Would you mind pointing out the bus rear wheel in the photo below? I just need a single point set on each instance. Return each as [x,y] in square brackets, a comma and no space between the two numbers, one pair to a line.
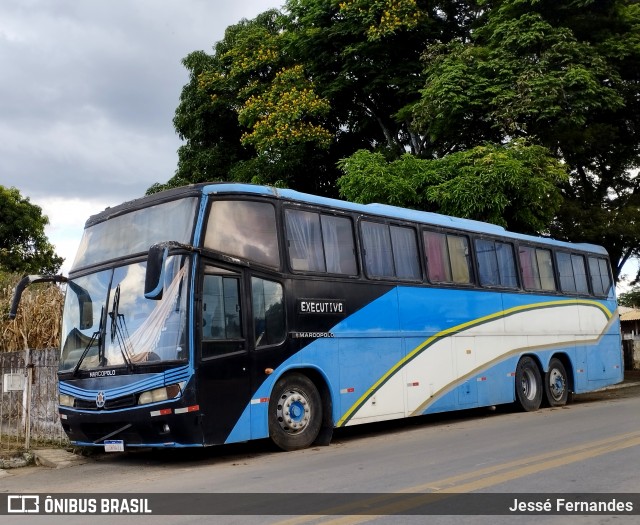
[295,412]
[556,384]
[528,384]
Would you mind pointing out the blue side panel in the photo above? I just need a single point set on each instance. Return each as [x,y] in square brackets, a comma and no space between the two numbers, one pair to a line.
[496,385]
[374,328]
[605,363]
[321,355]
[364,360]
[242,431]
[372,345]
[579,362]
[379,318]
[425,311]
[493,386]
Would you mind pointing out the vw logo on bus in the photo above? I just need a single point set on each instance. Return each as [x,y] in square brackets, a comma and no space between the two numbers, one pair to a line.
[100,399]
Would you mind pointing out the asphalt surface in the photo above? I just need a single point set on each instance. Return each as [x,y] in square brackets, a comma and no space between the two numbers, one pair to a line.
[60,458]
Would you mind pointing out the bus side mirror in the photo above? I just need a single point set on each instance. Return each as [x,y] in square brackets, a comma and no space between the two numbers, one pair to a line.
[86,307]
[85,304]
[154,278]
[17,294]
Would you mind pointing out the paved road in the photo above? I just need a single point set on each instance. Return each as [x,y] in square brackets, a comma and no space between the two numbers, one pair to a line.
[592,445]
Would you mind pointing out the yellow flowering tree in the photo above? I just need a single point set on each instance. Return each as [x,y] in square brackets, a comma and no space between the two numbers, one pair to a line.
[383,17]
[288,112]
[286,95]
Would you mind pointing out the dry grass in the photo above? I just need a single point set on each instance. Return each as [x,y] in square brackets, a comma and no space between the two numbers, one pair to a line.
[38,322]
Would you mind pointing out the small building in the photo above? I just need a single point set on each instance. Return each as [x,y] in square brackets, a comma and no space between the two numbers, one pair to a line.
[630,330]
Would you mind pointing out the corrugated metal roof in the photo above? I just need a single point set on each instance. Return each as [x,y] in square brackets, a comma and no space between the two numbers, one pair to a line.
[631,315]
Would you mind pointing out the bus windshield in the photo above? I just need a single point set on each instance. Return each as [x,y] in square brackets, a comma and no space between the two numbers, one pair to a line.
[124,329]
[135,231]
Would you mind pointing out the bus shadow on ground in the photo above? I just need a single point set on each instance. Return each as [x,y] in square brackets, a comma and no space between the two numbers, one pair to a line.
[238,453]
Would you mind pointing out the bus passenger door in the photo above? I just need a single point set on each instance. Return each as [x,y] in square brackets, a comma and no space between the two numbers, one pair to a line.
[223,375]
[268,335]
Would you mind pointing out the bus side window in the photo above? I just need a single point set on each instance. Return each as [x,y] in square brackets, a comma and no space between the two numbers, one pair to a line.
[537,269]
[573,273]
[320,243]
[580,271]
[447,258]
[378,257]
[496,263]
[567,280]
[246,229]
[405,253]
[268,312]
[221,319]
[600,279]
[304,239]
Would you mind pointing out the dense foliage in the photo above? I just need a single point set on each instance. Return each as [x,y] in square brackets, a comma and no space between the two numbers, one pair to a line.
[520,112]
[24,247]
[563,75]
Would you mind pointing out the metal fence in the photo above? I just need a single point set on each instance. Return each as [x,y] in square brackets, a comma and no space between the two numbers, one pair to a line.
[29,404]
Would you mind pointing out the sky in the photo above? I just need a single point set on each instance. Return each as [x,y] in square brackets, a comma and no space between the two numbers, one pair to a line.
[88,90]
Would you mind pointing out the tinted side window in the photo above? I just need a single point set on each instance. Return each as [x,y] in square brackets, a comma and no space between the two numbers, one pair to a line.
[378,257]
[580,273]
[339,248]
[496,263]
[390,251]
[447,258]
[304,239]
[245,229]
[405,253]
[268,312]
[600,276]
[573,274]
[320,243]
[565,270]
[537,268]
[222,331]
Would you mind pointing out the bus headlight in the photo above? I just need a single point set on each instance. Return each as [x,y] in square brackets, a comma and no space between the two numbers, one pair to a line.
[66,400]
[161,394]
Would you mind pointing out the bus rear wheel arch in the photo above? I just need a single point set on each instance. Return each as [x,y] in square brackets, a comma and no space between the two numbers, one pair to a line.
[556,384]
[295,412]
[529,385]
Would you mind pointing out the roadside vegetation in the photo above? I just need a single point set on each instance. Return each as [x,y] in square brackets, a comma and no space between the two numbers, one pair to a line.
[38,322]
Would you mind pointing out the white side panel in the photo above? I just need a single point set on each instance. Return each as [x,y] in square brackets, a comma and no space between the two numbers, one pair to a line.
[479,347]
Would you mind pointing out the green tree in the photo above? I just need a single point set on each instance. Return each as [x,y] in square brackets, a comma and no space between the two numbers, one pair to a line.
[560,74]
[286,95]
[514,186]
[235,112]
[24,247]
[630,298]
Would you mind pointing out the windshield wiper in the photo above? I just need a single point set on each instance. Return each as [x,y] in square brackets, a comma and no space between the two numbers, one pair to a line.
[119,333]
[96,335]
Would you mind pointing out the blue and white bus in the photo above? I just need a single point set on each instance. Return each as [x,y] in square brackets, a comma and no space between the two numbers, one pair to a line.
[221,313]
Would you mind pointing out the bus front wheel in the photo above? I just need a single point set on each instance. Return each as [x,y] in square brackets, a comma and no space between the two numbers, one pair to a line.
[528,384]
[556,385]
[295,412]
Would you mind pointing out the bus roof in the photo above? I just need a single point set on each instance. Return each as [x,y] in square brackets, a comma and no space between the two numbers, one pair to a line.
[380,210]
[395,212]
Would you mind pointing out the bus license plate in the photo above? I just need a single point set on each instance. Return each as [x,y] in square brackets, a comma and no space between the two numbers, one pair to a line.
[114,445]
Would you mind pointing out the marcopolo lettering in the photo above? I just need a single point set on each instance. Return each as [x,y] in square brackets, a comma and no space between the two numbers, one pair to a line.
[102,373]
[321,306]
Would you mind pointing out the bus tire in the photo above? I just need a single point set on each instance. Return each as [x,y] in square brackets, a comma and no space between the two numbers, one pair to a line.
[556,384]
[295,412]
[529,387]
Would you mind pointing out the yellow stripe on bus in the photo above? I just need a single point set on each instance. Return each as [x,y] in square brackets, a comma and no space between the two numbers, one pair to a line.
[458,328]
